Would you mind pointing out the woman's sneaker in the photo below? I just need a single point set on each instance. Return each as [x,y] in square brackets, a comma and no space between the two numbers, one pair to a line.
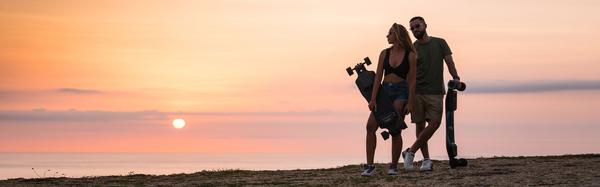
[393,170]
[368,170]
[426,165]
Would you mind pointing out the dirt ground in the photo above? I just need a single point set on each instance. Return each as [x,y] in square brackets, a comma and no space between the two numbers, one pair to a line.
[568,170]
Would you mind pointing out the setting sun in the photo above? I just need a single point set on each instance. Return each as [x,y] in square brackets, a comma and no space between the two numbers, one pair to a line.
[178,123]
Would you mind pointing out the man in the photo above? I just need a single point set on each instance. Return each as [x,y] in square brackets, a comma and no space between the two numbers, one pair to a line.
[428,107]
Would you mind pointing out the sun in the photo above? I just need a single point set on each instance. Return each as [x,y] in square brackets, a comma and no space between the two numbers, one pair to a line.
[178,123]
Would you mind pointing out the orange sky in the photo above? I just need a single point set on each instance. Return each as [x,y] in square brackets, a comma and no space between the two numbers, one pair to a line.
[258,59]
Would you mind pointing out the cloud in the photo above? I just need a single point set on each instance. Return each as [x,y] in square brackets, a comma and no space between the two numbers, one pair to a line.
[77,116]
[485,87]
[531,87]
[12,94]
[77,91]
[43,115]
[271,113]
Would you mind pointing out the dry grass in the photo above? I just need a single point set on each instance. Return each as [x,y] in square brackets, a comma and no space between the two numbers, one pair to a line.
[568,170]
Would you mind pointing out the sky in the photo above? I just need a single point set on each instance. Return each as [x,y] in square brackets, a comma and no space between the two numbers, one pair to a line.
[268,76]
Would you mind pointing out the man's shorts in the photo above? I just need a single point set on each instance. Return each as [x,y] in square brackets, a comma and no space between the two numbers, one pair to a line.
[427,108]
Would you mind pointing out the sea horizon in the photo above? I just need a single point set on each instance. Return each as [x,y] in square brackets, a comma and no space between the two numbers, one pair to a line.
[92,164]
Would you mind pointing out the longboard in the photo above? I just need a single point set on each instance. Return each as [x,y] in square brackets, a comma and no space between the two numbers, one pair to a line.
[451,100]
[385,113]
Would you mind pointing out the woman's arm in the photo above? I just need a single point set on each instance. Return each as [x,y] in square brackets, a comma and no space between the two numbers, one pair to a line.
[377,81]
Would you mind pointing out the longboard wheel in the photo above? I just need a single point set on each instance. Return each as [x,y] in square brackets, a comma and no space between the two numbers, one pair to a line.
[458,162]
[462,87]
[349,70]
[453,163]
[385,135]
[367,61]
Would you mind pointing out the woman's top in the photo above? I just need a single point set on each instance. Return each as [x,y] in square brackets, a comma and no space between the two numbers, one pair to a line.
[400,70]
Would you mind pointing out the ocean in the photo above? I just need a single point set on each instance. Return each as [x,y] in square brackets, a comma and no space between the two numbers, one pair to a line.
[35,165]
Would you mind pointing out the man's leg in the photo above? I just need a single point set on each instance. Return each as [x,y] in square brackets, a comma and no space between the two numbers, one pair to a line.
[422,139]
[424,136]
[433,115]
[426,164]
[424,148]
[432,109]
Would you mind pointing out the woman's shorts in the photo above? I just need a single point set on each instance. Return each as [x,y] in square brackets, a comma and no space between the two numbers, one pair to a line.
[396,91]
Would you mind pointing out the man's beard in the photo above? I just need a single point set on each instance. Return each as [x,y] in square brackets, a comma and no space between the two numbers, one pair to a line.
[420,35]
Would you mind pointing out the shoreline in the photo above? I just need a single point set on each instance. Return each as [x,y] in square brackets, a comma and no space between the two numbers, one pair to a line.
[582,169]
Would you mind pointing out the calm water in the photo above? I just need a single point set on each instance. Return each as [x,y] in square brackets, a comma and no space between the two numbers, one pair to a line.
[487,125]
[16,165]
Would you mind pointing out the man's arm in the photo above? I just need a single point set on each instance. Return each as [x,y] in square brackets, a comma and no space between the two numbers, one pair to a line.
[451,66]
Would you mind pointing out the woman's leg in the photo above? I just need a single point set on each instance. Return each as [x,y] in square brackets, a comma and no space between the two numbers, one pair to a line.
[397,140]
[371,138]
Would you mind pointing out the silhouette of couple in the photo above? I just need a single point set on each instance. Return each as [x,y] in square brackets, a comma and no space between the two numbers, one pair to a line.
[412,75]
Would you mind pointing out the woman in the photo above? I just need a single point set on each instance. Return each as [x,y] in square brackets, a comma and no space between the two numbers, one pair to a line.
[397,68]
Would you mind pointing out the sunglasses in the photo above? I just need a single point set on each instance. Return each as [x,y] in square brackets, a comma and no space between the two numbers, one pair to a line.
[415,27]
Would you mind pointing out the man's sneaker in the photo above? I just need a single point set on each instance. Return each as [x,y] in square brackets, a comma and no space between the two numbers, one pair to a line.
[408,160]
[368,170]
[393,170]
[426,165]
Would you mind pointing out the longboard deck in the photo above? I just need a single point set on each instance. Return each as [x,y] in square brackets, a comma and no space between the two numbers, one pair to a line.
[451,147]
[385,114]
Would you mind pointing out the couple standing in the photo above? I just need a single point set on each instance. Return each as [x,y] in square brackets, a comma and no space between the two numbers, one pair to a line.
[413,76]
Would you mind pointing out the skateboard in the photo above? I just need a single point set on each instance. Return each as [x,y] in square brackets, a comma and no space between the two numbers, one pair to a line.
[451,100]
[385,113]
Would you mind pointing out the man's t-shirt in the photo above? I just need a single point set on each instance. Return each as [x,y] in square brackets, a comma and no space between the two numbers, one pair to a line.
[430,66]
